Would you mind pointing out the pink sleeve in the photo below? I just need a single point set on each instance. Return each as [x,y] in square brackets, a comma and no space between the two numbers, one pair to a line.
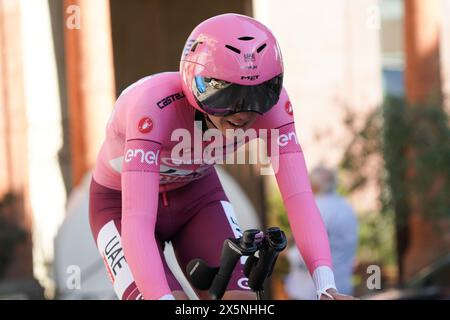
[289,166]
[145,128]
[140,183]
[304,217]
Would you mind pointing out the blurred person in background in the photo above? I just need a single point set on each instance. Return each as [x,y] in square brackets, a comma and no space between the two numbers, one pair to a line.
[342,228]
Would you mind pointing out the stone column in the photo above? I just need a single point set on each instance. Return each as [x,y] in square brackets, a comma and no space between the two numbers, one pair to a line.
[13,136]
[90,79]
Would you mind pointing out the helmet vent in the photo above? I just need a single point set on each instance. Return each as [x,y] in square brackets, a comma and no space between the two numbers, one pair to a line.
[246,38]
[195,45]
[233,49]
[261,48]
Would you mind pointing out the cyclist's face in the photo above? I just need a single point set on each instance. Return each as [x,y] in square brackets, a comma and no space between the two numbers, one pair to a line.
[241,120]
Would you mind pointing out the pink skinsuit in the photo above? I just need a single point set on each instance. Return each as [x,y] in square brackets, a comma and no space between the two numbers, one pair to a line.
[136,163]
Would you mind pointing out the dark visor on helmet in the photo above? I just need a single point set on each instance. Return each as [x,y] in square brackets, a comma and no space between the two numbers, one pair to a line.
[220,98]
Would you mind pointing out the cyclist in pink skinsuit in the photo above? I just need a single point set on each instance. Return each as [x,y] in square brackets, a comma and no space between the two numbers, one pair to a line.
[144,192]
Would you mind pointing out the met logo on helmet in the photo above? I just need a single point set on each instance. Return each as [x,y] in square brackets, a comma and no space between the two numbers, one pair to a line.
[149,157]
[251,78]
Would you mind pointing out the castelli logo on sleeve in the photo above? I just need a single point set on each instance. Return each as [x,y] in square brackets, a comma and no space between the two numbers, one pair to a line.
[288,108]
[170,99]
[145,125]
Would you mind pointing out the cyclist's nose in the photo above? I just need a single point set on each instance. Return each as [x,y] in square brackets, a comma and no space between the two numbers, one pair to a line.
[241,116]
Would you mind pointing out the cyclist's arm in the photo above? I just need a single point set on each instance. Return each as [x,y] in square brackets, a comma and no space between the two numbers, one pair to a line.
[140,189]
[306,223]
[290,170]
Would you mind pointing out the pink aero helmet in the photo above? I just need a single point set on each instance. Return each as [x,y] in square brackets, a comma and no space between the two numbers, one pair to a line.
[231,63]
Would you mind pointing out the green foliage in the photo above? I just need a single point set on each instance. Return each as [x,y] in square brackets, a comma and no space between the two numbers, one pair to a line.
[276,209]
[417,138]
[376,229]
[366,143]
[413,142]
[388,134]
[395,134]
[376,238]
[409,139]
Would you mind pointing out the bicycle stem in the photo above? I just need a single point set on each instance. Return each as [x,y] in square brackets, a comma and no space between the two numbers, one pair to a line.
[232,251]
[259,269]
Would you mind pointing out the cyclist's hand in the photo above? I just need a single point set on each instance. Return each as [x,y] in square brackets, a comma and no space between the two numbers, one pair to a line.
[336,296]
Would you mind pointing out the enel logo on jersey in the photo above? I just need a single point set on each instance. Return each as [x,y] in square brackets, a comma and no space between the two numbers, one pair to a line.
[283,139]
[149,157]
[141,155]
